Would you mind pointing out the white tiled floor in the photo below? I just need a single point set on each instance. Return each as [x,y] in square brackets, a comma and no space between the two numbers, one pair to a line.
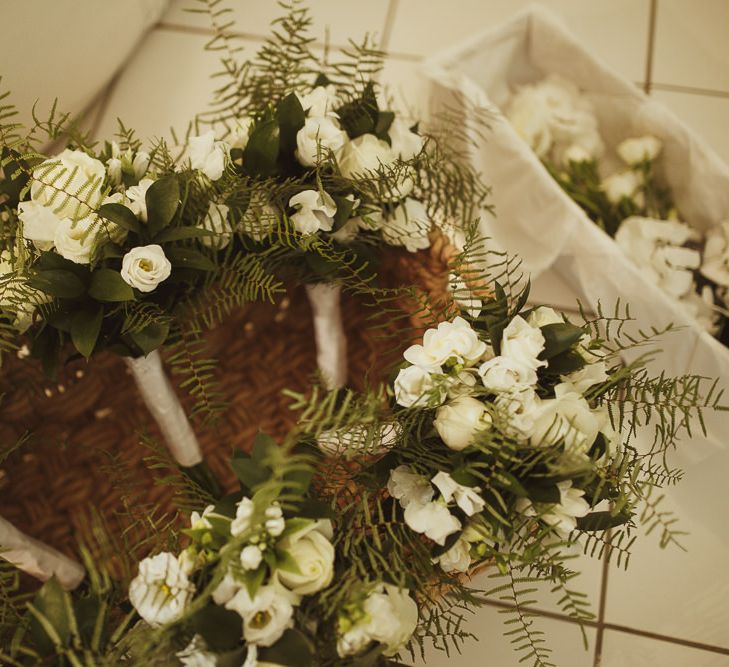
[682,596]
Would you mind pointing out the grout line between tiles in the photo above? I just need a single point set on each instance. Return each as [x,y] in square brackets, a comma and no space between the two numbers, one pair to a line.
[651,45]
[390,14]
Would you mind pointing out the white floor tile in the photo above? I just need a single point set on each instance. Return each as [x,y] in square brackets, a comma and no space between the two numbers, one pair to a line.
[495,650]
[615,30]
[707,115]
[676,593]
[164,85]
[344,20]
[691,47]
[624,650]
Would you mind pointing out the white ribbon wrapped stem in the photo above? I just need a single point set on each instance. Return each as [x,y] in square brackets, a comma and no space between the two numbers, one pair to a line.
[38,559]
[165,407]
[331,343]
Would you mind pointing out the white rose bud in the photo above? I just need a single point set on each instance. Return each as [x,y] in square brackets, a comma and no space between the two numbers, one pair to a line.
[414,387]
[250,557]
[161,591]
[145,267]
[140,164]
[502,374]
[459,421]
[208,155]
[321,101]
[452,341]
[523,343]
[636,150]
[313,553]
[318,136]
[137,198]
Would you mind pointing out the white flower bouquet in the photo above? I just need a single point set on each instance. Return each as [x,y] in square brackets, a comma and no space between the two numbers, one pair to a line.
[569,115]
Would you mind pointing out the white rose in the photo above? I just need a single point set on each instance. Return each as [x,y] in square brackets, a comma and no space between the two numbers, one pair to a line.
[519,410]
[432,519]
[466,497]
[76,240]
[250,557]
[502,374]
[318,136]
[137,198]
[530,120]
[313,553]
[459,421]
[216,221]
[715,266]
[452,341]
[408,225]
[409,487]
[145,267]
[161,591]
[314,211]
[542,316]
[561,516]
[364,154]
[265,617]
[208,155]
[140,164]
[624,185]
[567,418]
[415,388]
[39,224]
[523,343]
[321,101]
[635,150]
[588,376]
[70,184]
[405,143]
[389,616]
[195,654]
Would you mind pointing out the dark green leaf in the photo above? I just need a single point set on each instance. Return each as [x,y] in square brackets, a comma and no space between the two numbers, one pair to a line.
[122,216]
[261,152]
[50,602]
[49,260]
[85,328]
[559,338]
[47,347]
[181,233]
[89,611]
[188,258]
[359,117]
[505,480]
[219,627]
[565,363]
[108,285]
[544,493]
[151,337]
[382,127]
[162,198]
[344,210]
[249,472]
[291,119]
[59,283]
[292,650]
[598,521]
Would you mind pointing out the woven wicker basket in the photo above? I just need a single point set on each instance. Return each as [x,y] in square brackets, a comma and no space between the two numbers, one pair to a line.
[84,430]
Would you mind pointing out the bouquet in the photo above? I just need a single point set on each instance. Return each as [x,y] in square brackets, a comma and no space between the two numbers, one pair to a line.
[559,124]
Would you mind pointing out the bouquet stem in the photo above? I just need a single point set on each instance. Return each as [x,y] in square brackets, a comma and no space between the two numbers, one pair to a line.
[166,408]
[331,343]
[38,559]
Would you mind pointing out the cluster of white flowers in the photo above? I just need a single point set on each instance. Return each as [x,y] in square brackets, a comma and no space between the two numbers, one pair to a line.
[556,120]
[253,541]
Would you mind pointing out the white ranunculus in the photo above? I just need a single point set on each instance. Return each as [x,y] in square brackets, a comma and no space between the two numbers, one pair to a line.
[145,267]
[432,519]
[161,591]
[623,185]
[522,343]
[137,198]
[415,388]
[715,266]
[216,221]
[70,184]
[561,516]
[208,155]
[243,516]
[408,226]
[195,654]
[635,150]
[459,421]
[313,553]
[567,418]
[39,224]
[530,119]
[542,316]
[76,240]
[404,142]
[389,616]
[519,409]
[265,617]
[320,101]
[240,133]
[587,376]
[251,557]
[364,154]
[314,211]
[466,497]
[409,487]
[502,374]
[452,341]
[317,138]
